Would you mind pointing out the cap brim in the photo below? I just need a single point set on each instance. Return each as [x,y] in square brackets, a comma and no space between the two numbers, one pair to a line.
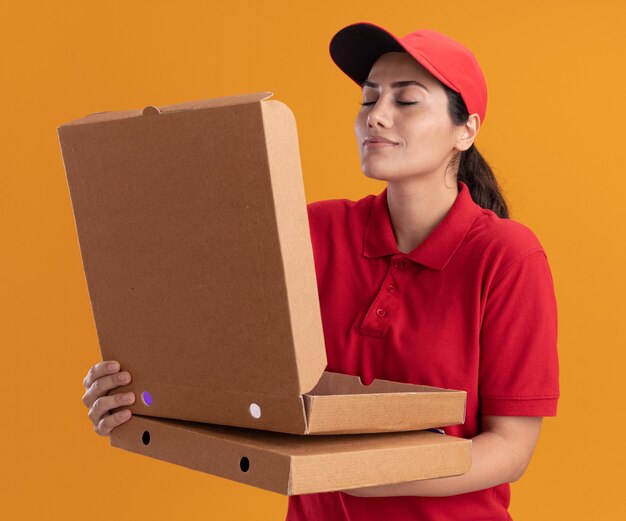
[356,48]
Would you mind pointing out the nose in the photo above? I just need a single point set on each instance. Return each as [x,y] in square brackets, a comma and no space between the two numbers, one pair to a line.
[378,115]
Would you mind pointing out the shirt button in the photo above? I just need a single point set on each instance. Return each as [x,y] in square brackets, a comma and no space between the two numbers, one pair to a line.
[380,312]
[391,288]
[399,264]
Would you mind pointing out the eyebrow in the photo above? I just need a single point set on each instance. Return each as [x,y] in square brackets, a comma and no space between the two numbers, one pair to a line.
[396,84]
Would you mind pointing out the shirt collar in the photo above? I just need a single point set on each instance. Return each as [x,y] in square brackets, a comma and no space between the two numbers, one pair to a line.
[438,247]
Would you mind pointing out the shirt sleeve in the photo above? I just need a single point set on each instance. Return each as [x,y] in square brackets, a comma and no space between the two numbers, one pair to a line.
[519,370]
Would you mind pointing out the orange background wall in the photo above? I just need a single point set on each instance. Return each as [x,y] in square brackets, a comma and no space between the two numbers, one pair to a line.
[553,134]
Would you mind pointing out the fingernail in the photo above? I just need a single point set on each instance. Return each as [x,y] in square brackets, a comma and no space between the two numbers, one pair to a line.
[125,413]
[123,377]
[128,397]
[113,366]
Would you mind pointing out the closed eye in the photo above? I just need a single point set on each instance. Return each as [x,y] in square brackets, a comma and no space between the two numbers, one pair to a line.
[398,102]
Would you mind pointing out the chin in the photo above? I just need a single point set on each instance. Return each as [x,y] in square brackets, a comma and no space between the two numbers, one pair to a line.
[379,173]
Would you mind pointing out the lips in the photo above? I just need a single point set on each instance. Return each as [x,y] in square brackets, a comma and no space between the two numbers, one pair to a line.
[378,139]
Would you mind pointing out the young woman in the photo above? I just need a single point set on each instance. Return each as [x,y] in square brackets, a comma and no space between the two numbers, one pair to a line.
[428,282]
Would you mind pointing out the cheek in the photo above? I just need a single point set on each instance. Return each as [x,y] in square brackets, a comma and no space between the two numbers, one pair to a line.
[427,137]
[359,124]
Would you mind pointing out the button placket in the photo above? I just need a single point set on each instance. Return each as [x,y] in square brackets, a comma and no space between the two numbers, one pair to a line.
[381,311]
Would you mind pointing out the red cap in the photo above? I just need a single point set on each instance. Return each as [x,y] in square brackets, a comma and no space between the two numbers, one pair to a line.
[356,47]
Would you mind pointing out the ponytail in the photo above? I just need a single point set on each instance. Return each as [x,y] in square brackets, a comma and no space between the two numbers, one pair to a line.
[473,169]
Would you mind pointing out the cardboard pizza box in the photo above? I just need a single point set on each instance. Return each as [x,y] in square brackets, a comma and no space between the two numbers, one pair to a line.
[291,464]
[194,236]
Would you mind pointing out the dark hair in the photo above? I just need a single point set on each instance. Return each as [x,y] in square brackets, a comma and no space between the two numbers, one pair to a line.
[473,169]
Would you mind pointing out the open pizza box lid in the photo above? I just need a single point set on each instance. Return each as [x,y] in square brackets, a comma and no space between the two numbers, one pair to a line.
[194,236]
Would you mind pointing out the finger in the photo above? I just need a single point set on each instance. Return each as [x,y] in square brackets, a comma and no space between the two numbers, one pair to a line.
[103,405]
[109,422]
[99,370]
[103,385]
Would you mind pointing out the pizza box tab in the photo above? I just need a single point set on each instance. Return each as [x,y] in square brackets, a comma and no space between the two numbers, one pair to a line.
[194,236]
[290,464]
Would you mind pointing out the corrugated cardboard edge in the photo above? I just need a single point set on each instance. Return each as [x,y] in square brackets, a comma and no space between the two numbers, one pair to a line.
[279,125]
[98,117]
[66,154]
[384,412]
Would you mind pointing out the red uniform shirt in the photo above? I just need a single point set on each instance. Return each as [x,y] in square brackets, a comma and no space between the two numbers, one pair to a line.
[471,308]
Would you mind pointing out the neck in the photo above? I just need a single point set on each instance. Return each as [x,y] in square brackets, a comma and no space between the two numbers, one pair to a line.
[417,207]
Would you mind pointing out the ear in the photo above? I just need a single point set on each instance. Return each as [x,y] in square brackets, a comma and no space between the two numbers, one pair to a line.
[466,134]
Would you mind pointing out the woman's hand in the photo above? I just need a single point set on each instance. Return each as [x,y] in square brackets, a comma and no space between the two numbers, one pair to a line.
[100,379]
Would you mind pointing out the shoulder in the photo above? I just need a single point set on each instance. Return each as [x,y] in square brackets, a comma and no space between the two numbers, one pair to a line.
[507,234]
[504,243]
[331,212]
